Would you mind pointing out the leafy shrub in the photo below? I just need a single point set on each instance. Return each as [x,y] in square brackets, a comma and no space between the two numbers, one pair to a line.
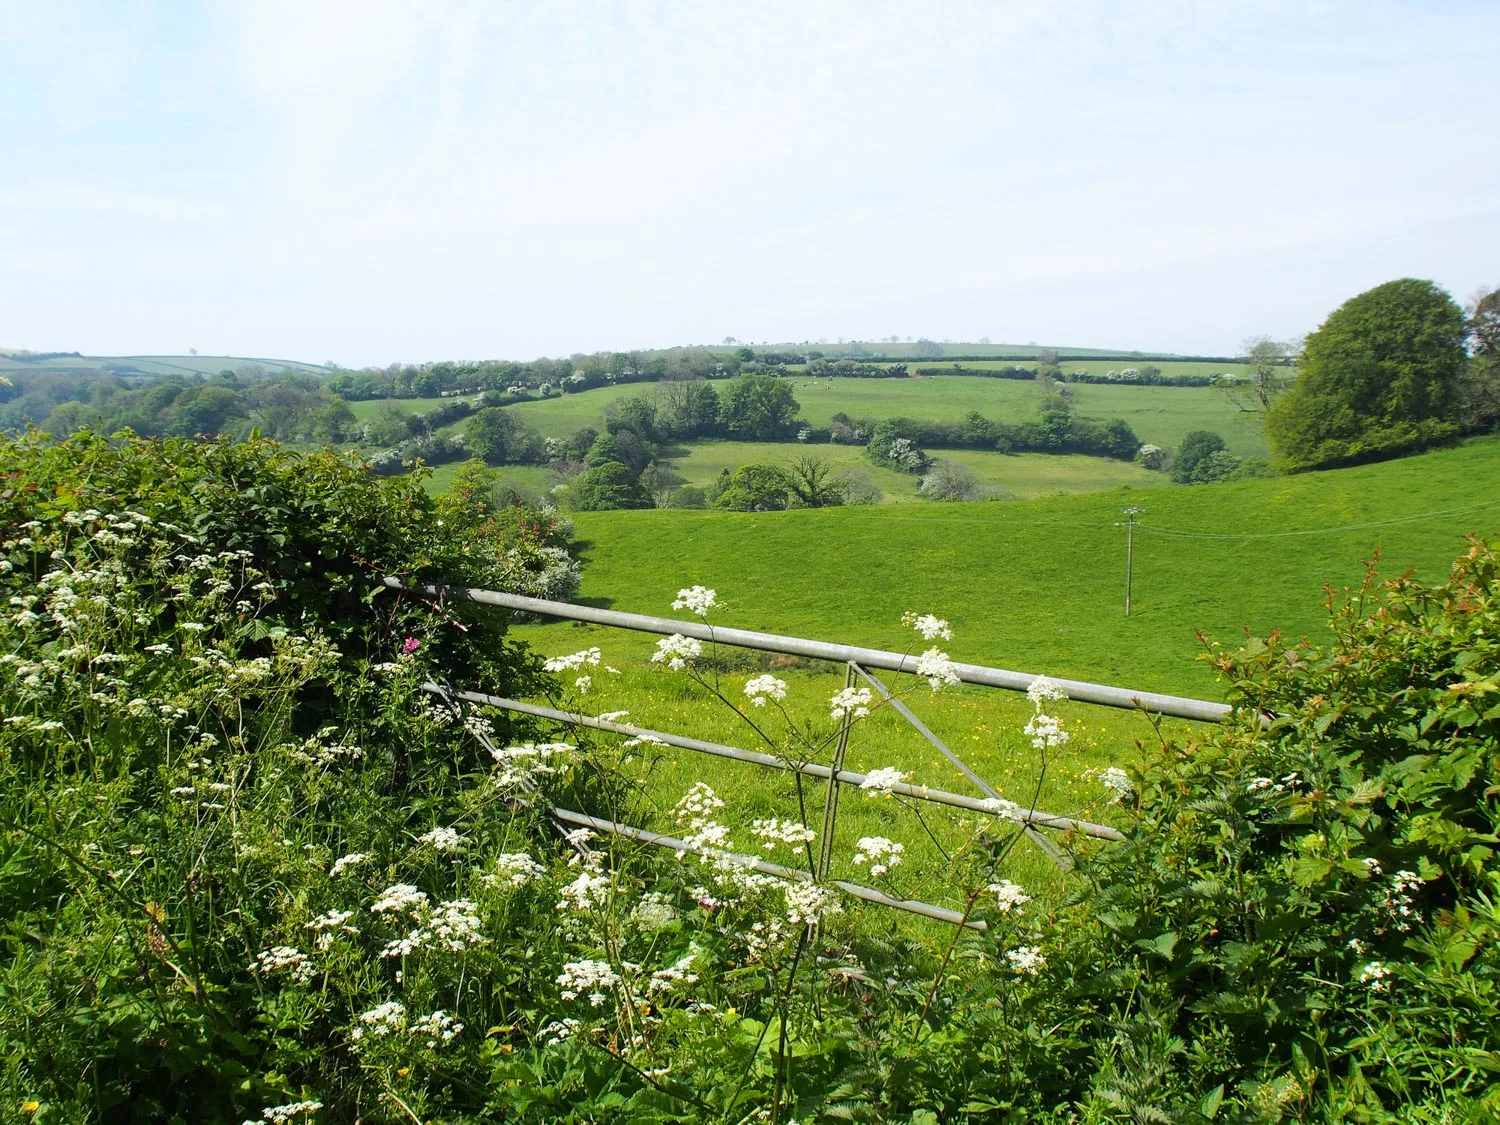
[948,480]
[607,487]
[756,488]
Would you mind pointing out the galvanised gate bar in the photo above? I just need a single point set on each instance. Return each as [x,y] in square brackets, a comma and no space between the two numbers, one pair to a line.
[858,663]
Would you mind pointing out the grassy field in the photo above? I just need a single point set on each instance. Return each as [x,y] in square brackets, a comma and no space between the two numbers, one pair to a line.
[1035,586]
[1161,415]
[1024,475]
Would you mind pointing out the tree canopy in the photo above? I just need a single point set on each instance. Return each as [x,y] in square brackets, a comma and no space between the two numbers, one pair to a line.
[1378,379]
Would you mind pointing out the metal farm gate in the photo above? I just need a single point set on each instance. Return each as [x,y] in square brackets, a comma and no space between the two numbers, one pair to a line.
[858,663]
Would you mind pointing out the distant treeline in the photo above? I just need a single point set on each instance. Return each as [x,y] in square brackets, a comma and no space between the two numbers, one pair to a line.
[1056,431]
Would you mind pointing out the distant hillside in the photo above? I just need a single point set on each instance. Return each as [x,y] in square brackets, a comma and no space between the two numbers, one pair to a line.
[72,363]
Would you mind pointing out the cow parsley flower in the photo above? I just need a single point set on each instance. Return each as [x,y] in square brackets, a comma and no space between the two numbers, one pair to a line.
[559,1031]
[761,688]
[1026,960]
[285,959]
[776,831]
[698,804]
[881,782]
[1005,810]
[939,670]
[1043,691]
[654,912]
[454,926]
[809,903]
[696,599]
[574,661]
[437,1028]
[346,863]
[1046,731]
[399,898]
[517,868]
[587,892]
[382,1020]
[854,702]
[1374,974]
[1008,896]
[442,839]
[677,651]
[596,978]
[880,853]
[286,1114]
[1113,778]
[932,628]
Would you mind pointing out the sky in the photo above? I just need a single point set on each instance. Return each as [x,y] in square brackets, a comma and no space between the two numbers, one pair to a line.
[377,181]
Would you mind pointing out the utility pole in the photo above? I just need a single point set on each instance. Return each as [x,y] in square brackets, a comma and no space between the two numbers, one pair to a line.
[1129,526]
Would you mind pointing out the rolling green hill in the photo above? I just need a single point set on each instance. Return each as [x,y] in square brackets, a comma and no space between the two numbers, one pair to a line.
[1038,585]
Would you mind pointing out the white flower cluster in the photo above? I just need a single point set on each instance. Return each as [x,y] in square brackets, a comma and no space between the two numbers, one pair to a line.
[1374,974]
[695,812]
[381,1020]
[285,959]
[1396,903]
[653,913]
[442,839]
[880,853]
[932,628]
[696,599]
[399,898]
[516,868]
[590,891]
[939,670]
[571,663]
[679,973]
[558,1031]
[677,651]
[525,765]
[1043,691]
[453,926]
[346,863]
[776,831]
[437,1028]
[761,688]
[1026,960]
[286,1114]
[1046,731]
[596,978]
[881,782]
[854,702]
[328,926]
[807,904]
[1005,810]
[1114,779]
[1008,896]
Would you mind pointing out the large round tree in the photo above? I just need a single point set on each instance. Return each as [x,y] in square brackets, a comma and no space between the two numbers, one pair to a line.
[1378,379]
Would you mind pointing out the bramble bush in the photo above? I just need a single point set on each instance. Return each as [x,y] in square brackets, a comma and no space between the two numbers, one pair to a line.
[251,871]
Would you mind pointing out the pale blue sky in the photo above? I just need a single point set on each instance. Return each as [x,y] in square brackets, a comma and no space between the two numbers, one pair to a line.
[371,180]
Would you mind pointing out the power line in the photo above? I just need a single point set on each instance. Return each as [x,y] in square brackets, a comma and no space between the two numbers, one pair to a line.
[1181,533]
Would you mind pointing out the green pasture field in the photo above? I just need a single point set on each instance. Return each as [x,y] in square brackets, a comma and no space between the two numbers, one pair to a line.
[1036,586]
[1161,415]
[535,479]
[366,409]
[1023,475]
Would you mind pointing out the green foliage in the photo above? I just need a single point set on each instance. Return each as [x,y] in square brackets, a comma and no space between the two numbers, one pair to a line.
[606,487]
[758,408]
[756,488]
[1378,379]
[500,438]
[1203,459]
